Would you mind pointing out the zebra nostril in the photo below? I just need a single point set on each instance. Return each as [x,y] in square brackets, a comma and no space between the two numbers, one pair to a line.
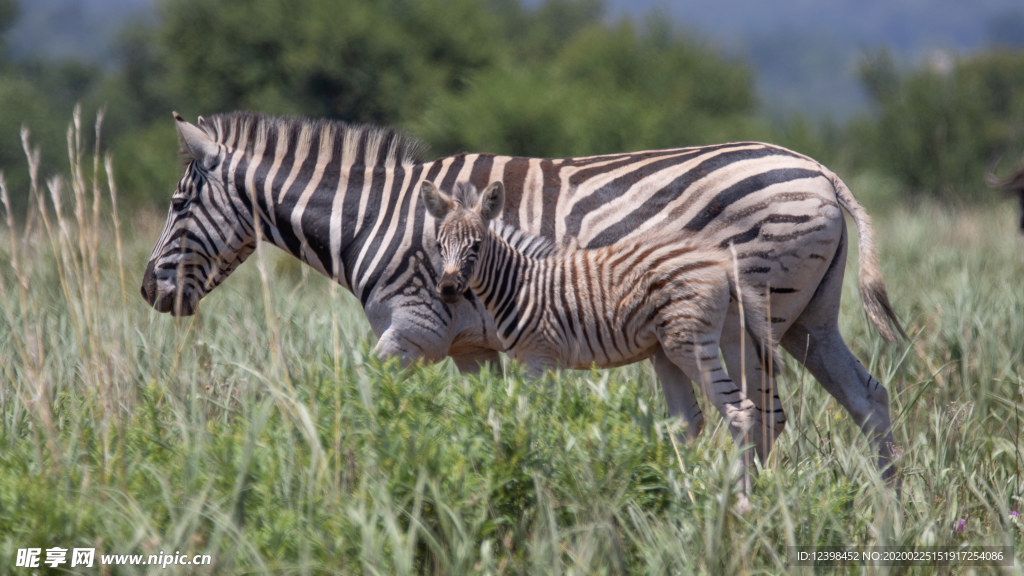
[448,292]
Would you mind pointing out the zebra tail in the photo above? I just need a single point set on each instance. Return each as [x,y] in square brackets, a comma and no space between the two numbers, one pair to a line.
[873,294]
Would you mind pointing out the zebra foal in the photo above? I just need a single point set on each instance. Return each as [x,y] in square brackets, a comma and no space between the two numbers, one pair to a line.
[607,306]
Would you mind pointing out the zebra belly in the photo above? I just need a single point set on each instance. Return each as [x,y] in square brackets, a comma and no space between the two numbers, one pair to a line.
[554,347]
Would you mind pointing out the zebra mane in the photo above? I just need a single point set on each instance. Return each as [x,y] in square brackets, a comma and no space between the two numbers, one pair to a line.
[367,145]
[527,244]
[466,195]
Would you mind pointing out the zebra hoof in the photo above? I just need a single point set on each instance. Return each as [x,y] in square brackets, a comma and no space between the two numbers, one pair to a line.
[743,505]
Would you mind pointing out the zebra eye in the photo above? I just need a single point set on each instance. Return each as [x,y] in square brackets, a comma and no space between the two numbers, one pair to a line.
[178,203]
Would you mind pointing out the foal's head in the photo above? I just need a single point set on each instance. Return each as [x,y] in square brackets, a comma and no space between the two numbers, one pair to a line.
[462,230]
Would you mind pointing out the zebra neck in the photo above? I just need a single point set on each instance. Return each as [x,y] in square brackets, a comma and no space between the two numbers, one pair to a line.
[501,280]
[330,220]
[319,188]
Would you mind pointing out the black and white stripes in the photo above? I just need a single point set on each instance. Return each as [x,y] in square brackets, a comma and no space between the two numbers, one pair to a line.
[346,200]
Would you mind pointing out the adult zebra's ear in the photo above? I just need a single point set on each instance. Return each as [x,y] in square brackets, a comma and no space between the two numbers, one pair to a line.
[492,200]
[438,205]
[196,143]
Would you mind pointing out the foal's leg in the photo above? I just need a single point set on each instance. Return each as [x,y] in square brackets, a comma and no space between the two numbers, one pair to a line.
[699,359]
[690,330]
[749,369]
[679,394]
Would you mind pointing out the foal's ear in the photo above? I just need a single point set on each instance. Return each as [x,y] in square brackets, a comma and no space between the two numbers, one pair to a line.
[196,143]
[492,200]
[438,205]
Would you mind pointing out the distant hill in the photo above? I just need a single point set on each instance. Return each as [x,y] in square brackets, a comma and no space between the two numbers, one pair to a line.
[805,52]
[78,29]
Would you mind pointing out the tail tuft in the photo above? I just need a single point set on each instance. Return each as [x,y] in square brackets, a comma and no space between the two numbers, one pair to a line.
[879,309]
[873,294]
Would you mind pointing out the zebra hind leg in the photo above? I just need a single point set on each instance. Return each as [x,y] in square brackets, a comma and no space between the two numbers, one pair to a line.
[832,364]
[814,340]
[747,368]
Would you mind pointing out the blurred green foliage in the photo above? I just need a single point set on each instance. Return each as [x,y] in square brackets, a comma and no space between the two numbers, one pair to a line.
[464,74]
[491,75]
[937,128]
[605,88]
[554,78]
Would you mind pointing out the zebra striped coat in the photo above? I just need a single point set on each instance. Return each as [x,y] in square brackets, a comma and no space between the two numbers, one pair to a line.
[345,200]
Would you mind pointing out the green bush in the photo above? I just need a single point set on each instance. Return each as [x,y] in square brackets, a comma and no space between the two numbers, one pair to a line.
[938,127]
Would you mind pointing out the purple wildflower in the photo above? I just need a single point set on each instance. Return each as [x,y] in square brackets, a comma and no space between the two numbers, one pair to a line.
[959,525]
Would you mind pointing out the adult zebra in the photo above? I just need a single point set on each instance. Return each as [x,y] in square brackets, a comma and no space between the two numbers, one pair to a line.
[345,200]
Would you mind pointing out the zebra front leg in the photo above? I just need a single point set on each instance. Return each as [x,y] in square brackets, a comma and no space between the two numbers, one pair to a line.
[472,361]
[409,346]
[537,366]
[393,344]
[679,394]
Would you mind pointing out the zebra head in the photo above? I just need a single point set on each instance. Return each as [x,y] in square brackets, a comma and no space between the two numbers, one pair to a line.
[207,233]
[462,230]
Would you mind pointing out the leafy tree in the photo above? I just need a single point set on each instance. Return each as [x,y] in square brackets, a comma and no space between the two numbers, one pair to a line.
[38,96]
[604,88]
[360,60]
[8,15]
[488,75]
[44,96]
[938,126]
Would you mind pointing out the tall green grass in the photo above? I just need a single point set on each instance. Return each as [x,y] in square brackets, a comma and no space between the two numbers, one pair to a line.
[263,433]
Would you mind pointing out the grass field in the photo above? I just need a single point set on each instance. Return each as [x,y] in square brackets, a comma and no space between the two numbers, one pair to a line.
[262,433]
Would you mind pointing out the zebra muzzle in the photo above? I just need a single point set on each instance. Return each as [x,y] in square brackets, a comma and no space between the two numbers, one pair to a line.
[450,286]
[164,298]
